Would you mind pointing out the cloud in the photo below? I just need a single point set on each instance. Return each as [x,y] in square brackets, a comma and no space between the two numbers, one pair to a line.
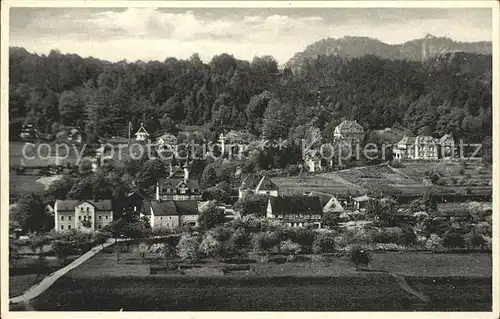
[150,33]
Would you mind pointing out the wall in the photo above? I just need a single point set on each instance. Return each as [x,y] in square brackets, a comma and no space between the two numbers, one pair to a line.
[166,222]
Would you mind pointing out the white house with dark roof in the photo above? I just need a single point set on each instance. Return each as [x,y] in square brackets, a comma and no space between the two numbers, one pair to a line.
[258,185]
[178,186]
[349,131]
[422,147]
[172,214]
[141,134]
[296,211]
[74,214]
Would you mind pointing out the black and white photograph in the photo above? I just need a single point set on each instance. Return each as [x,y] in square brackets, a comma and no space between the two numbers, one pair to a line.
[249,157]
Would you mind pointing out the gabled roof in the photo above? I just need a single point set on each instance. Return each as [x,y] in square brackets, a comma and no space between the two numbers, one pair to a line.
[333,206]
[266,184]
[287,205]
[172,208]
[142,130]
[347,125]
[425,139]
[174,182]
[70,204]
[407,140]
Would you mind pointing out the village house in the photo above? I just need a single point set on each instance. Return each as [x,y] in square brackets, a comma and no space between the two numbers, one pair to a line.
[350,132]
[28,132]
[258,185]
[77,214]
[141,135]
[421,147]
[74,135]
[295,211]
[361,202]
[171,213]
[178,186]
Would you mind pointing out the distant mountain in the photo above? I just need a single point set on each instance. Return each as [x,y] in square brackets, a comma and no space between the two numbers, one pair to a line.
[415,50]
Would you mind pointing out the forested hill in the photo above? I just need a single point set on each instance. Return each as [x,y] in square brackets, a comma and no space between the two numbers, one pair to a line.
[415,50]
[449,94]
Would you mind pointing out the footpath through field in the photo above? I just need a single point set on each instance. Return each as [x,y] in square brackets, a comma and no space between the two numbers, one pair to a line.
[48,281]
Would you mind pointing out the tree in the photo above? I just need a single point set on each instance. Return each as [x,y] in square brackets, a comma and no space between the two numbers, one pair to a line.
[324,243]
[142,249]
[277,120]
[359,256]
[30,213]
[215,193]
[209,177]
[188,248]
[264,242]
[152,171]
[211,217]
[255,204]
[210,246]
[407,237]
[331,220]
[290,248]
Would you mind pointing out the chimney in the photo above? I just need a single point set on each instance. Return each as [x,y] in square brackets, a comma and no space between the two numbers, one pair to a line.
[170,169]
[186,173]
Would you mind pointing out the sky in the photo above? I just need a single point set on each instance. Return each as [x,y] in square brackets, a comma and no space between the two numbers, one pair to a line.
[132,34]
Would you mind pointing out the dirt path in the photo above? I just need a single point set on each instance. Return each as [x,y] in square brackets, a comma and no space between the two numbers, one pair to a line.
[403,284]
[48,281]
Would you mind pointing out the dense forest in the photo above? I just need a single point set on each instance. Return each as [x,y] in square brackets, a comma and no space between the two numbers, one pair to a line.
[451,93]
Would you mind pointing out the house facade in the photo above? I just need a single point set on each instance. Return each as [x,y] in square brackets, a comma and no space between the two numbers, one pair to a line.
[447,145]
[254,184]
[178,186]
[78,214]
[350,132]
[422,147]
[172,214]
[295,211]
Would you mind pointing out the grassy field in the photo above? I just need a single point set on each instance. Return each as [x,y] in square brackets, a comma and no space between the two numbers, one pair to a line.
[329,285]
[404,181]
[330,183]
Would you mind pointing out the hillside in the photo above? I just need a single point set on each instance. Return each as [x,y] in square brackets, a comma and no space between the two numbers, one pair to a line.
[414,50]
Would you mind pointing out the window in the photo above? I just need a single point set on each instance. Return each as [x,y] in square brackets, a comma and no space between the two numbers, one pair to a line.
[84,217]
[62,217]
[106,216]
[79,217]
[81,209]
[100,217]
[99,226]
[89,217]
[69,217]
[62,227]
[161,218]
[169,217]
[69,226]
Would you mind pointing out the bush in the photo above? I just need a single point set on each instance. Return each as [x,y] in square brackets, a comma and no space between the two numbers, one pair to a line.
[359,256]
[483,228]
[434,242]
[474,240]
[454,240]
[264,242]
[389,235]
[407,237]
[324,243]
[210,246]
[290,248]
[141,250]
